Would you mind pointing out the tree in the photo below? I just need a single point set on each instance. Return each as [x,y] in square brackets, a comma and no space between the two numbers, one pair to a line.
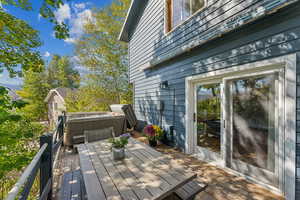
[61,30]
[36,86]
[88,98]
[61,73]
[103,54]
[34,91]
[17,44]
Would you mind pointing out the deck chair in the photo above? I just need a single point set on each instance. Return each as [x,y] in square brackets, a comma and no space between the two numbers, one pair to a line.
[98,134]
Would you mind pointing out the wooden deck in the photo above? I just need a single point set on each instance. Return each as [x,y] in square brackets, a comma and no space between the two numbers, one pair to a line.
[143,174]
[68,182]
[221,185]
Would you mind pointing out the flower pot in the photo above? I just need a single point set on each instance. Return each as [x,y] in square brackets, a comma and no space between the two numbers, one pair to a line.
[118,153]
[152,143]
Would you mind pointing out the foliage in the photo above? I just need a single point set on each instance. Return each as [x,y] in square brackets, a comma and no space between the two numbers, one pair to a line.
[120,142]
[36,86]
[104,55]
[7,107]
[88,98]
[47,9]
[18,138]
[159,132]
[18,144]
[17,44]
[61,73]
[34,91]
[153,132]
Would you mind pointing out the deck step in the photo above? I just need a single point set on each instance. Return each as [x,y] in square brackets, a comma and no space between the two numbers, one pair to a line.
[190,190]
[72,187]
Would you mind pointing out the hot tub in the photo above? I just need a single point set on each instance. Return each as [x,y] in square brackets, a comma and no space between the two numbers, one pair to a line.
[77,123]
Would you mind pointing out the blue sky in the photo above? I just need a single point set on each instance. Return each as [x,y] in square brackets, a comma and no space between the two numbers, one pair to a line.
[73,12]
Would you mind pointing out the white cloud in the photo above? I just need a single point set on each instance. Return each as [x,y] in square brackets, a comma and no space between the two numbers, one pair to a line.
[80,5]
[47,54]
[76,15]
[63,13]
[39,17]
[70,40]
[78,22]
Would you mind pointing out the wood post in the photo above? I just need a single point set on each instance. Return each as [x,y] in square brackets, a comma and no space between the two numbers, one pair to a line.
[46,165]
[61,126]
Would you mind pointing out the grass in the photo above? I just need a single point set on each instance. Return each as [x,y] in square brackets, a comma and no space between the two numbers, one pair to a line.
[7,183]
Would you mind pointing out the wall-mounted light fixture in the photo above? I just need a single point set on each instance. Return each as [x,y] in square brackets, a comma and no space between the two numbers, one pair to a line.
[164,85]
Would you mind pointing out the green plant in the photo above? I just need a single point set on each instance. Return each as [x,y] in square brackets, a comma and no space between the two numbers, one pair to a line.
[120,142]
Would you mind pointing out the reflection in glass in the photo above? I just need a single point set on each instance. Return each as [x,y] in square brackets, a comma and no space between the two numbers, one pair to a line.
[253,107]
[197,5]
[176,14]
[186,9]
[208,117]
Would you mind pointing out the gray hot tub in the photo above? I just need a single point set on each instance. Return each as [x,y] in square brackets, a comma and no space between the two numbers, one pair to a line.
[77,123]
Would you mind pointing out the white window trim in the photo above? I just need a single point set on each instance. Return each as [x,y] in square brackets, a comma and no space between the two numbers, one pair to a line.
[288,63]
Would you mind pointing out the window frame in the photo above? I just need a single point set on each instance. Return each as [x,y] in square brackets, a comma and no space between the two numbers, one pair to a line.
[167,26]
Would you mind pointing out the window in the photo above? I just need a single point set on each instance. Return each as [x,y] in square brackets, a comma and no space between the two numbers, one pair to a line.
[179,10]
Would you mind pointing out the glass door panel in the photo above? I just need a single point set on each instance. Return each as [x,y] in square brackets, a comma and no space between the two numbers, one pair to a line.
[253,125]
[208,117]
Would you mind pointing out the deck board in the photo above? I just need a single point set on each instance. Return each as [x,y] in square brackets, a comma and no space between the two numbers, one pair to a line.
[138,176]
[68,181]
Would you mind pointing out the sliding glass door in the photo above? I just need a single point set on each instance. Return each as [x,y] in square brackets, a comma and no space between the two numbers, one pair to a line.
[252,114]
[237,123]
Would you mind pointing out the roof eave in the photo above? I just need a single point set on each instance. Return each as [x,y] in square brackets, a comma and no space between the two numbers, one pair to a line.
[130,18]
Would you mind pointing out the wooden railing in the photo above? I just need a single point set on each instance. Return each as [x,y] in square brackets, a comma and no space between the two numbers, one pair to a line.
[43,161]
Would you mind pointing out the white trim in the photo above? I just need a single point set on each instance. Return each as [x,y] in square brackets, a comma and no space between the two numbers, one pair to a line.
[288,63]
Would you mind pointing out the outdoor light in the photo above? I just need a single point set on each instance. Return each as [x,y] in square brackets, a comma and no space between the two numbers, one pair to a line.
[164,85]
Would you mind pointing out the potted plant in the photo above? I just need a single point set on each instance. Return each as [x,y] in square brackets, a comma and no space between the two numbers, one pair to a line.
[150,133]
[154,133]
[118,146]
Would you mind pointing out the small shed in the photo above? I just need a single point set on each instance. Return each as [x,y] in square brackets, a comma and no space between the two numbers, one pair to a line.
[56,102]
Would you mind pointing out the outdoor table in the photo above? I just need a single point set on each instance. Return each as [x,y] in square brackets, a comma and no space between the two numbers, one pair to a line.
[144,174]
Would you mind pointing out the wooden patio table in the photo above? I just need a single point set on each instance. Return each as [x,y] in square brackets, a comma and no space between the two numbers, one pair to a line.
[144,174]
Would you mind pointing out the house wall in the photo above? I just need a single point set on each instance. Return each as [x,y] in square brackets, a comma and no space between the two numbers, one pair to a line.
[54,113]
[271,36]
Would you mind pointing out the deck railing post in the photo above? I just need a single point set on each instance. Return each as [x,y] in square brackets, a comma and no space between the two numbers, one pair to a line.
[61,126]
[46,164]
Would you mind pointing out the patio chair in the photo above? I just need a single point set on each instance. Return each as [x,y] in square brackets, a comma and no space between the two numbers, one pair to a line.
[98,134]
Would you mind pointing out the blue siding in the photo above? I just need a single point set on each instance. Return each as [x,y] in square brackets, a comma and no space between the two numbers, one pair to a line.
[271,36]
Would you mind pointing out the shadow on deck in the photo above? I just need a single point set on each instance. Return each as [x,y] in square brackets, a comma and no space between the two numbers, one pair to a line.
[221,185]
[68,182]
